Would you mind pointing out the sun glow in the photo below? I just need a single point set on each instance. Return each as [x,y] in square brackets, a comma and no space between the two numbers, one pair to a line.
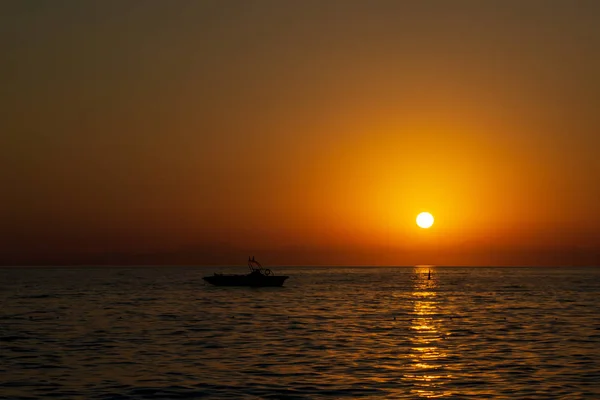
[424,220]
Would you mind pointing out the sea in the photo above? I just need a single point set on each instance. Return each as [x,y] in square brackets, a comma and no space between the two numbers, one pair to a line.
[328,333]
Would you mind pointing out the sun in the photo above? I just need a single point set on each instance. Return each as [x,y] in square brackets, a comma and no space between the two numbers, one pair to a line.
[424,220]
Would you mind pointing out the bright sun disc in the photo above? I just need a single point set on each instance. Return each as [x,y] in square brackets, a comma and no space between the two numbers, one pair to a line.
[424,220]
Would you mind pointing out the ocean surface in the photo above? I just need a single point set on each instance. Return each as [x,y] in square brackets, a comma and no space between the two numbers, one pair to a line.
[369,332]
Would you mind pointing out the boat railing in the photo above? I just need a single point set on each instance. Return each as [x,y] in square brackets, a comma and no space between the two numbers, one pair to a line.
[256,267]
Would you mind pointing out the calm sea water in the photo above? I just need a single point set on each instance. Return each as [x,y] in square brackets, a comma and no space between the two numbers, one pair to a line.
[149,332]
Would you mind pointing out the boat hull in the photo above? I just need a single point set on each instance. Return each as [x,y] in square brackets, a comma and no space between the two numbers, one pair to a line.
[245,280]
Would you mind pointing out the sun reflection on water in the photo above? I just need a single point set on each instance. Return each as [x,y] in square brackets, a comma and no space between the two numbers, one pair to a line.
[427,356]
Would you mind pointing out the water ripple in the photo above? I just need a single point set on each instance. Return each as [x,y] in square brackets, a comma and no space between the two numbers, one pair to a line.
[158,333]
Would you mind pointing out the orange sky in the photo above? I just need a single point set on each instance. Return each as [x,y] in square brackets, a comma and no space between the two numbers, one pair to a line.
[301,132]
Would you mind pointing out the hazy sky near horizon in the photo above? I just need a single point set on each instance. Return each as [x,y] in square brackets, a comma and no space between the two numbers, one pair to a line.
[300,131]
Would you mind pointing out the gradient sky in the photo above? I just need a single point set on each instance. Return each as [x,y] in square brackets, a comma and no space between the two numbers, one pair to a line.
[301,132]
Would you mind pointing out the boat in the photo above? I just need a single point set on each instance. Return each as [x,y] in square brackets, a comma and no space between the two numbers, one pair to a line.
[258,277]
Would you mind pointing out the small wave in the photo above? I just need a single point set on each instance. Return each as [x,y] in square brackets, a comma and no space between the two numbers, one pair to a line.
[36,296]
[13,338]
[169,392]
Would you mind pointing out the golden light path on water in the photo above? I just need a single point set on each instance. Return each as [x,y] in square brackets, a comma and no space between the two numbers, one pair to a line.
[426,355]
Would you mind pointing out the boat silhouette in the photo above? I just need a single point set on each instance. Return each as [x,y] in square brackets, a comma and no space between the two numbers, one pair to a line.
[258,277]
